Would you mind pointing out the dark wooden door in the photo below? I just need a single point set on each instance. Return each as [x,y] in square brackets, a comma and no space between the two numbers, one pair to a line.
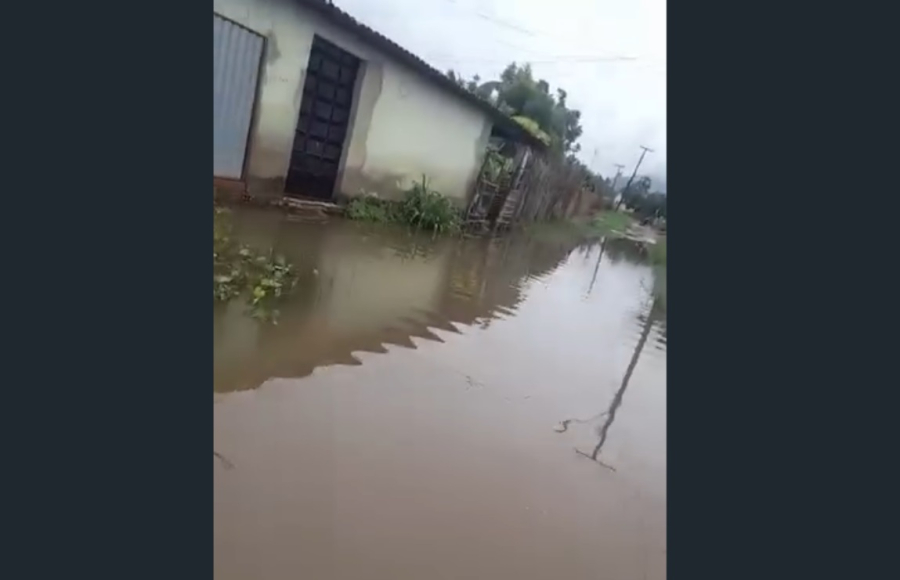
[322,125]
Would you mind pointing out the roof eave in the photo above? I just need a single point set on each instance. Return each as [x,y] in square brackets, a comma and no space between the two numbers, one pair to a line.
[344,20]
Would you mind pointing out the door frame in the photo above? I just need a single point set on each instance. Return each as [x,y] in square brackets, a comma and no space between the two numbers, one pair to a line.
[355,88]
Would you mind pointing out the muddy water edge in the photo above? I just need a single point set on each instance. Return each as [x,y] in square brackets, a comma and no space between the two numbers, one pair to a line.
[441,408]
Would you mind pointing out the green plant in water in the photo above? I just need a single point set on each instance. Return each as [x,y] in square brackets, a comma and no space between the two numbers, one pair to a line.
[425,208]
[239,270]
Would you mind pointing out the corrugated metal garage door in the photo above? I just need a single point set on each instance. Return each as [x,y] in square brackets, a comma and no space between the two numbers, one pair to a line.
[236,59]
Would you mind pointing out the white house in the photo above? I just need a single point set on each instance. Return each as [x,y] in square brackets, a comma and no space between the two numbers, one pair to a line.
[309,102]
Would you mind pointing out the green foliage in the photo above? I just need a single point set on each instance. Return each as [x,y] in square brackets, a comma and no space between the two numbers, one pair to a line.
[532,127]
[612,221]
[646,205]
[607,224]
[642,185]
[532,98]
[425,208]
[518,94]
[369,208]
[591,181]
[496,165]
[543,113]
[422,207]
[458,79]
[264,278]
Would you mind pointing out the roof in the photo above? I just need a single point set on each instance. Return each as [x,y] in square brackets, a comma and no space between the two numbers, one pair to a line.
[340,18]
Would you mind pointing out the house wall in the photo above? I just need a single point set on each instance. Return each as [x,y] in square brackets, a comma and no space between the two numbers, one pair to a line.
[402,125]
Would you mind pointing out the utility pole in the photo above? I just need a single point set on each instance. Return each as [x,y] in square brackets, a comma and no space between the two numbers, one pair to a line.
[633,174]
[619,167]
[592,170]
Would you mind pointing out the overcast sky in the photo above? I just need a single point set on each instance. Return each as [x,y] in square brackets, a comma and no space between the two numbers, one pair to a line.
[622,103]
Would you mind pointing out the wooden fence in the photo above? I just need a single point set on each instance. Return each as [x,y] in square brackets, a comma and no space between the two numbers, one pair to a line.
[539,188]
[548,189]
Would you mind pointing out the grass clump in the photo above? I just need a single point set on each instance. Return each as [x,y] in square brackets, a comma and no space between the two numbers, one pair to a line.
[369,208]
[427,209]
[612,221]
[422,207]
[608,223]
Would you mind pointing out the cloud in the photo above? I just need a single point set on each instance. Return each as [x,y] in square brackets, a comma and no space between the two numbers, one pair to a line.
[623,103]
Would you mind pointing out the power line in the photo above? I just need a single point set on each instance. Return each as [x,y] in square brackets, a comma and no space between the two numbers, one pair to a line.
[487,17]
[505,24]
[559,59]
[515,27]
[497,21]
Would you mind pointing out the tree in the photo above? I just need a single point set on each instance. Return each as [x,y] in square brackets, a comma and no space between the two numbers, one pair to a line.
[644,203]
[519,94]
[641,186]
[456,78]
[472,85]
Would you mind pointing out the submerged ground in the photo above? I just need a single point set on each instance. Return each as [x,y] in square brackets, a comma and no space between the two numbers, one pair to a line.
[416,411]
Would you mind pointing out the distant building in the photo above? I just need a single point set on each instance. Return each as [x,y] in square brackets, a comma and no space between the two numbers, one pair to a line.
[309,102]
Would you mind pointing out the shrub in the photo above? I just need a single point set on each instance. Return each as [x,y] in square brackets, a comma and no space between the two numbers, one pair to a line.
[647,205]
[421,207]
[428,209]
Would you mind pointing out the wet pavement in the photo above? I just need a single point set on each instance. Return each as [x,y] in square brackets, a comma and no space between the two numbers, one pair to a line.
[461,408]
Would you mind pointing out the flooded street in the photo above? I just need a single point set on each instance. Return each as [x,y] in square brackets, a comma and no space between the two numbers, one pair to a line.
[441,409]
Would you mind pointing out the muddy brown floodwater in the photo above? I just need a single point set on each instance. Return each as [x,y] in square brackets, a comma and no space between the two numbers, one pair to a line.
[441,409]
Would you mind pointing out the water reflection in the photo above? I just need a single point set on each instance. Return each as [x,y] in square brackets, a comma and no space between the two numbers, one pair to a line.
[610,413]
[603,244]
[624,250]
[362,288]
[437,458]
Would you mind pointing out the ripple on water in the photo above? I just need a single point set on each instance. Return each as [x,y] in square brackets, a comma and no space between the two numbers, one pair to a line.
[401,420]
